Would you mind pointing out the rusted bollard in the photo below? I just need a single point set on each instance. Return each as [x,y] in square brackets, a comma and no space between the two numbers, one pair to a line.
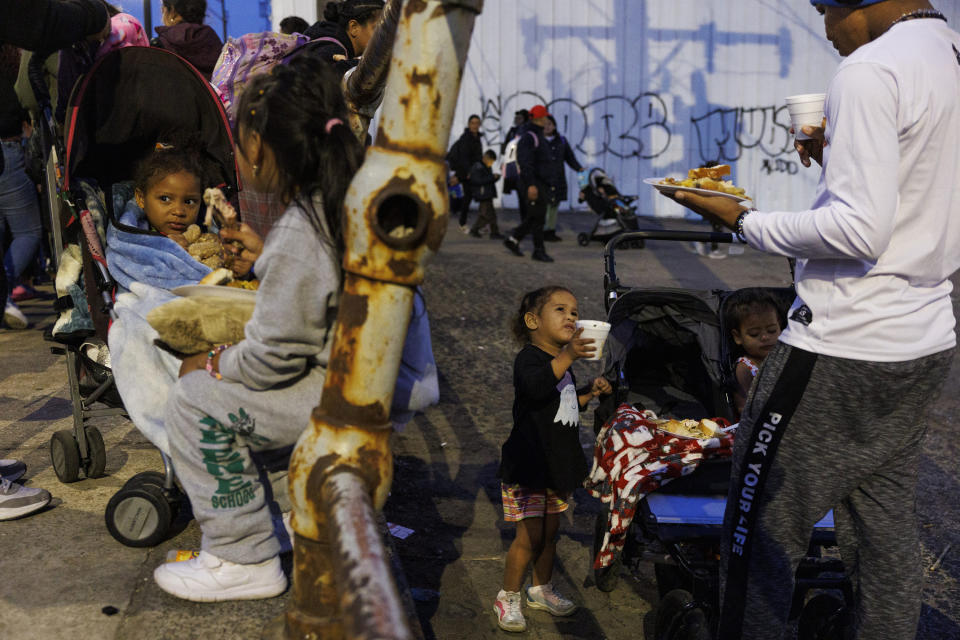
[396,217]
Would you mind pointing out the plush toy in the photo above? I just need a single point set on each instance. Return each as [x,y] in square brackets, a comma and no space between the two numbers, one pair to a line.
[74,320]
[197,324]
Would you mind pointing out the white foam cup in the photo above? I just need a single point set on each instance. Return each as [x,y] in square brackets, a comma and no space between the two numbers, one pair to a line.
[805,110]
[596,329]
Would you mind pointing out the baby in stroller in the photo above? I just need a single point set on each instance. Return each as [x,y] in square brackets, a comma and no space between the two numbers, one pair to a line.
[754,322]
[614,209]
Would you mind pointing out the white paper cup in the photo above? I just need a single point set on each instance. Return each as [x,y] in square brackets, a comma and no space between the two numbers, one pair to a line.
[805,110]
[596,329]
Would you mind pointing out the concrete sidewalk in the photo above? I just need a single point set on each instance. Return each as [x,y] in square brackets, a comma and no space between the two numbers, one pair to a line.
[64,576]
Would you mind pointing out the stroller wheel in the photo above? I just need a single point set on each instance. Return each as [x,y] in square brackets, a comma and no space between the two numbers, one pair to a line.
[678,617]
[65,456]
[583,239]
[96,462]
[139,516]
[822,618]
[607,577]
[175,497]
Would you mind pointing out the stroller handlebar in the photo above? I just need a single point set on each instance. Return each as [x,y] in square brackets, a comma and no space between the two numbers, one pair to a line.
[612,283]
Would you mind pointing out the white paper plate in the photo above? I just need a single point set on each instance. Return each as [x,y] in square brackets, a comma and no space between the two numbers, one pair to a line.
[672,188]
[214,291]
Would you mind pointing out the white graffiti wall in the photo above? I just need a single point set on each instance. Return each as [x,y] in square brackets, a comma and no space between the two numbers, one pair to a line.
[649,88]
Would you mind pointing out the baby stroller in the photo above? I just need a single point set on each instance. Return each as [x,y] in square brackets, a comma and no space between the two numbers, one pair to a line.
[118,110]
[666,352]
[616,211]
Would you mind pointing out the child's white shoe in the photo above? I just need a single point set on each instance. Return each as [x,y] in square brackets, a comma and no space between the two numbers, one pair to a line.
[208,578]
[507,608]
[545,597]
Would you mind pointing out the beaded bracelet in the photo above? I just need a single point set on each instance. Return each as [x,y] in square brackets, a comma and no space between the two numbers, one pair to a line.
[210,355]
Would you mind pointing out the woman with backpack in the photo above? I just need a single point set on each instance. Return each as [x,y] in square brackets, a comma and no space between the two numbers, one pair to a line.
[343,35]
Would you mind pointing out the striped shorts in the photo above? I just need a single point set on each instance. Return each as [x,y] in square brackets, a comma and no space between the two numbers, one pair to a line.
[522,502]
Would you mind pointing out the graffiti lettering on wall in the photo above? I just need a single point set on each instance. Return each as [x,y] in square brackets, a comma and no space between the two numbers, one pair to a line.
[724,134]
[640,126]
[779,165]
[617,125]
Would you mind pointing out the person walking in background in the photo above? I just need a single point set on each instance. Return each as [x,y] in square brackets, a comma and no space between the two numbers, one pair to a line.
[560,153]
[508,156]
[483,181]
[520,118]
[533,163]
[836,417]
[463,155]
[184,33]
[19,207]
[293,24]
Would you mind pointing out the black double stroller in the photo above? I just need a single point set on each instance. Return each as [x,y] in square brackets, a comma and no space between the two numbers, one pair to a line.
[128,99]
[616,212]
[666,352]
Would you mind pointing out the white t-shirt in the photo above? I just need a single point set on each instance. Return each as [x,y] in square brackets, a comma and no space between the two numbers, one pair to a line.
[876,250]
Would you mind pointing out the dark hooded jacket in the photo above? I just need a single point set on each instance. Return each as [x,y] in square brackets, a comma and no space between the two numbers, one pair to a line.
[198,44]
[326,50]
[533,158]
[465,152]
[560,153]
[49,25]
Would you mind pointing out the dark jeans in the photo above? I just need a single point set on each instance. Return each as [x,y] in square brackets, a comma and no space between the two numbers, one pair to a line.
[486,215]
[535,214]
[463,204]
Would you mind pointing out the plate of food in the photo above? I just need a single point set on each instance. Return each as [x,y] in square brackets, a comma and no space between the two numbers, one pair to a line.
[214,291]
[690,429]
[219,283]
[708,181]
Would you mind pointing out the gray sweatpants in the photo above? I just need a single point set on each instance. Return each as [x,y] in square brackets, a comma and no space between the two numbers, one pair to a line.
[214,426]
[820,433]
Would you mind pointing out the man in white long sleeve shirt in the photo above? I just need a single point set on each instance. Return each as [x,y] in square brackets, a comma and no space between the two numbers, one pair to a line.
[834,418]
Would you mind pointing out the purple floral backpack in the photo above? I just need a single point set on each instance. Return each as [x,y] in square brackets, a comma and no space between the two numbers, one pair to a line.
[248,56]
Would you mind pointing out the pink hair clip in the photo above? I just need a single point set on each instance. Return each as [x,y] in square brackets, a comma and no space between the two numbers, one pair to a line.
[331,123]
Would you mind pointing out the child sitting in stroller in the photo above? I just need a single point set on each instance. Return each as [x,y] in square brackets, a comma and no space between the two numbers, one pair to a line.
[613,208]
[753,319]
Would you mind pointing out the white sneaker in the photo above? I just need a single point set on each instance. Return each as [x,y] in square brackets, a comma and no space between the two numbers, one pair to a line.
[14,317]
[17,500]
[507,608]
[546,598]
[208,578]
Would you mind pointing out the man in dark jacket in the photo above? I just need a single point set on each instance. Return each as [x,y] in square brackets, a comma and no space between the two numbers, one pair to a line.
[533,162]
[184,33]
[560,153]
[465,152]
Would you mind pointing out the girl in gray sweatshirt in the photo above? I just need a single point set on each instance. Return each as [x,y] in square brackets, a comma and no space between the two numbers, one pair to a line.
[256,395]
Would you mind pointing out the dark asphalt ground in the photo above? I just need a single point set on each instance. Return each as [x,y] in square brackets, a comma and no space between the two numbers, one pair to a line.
[61,567]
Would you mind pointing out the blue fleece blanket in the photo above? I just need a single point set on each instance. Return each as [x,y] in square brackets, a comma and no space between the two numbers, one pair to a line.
[153,259]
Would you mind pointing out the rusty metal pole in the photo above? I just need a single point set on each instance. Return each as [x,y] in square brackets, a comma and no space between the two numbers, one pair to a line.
[396,217]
